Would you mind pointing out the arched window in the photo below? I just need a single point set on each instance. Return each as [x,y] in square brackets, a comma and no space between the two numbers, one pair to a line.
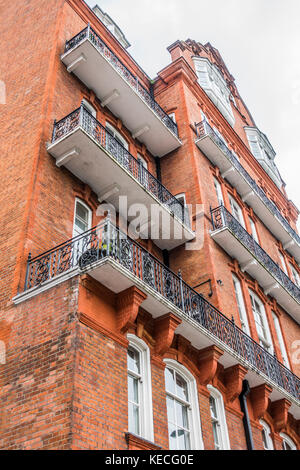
[266,436]
[287,443]
[261,322]
[182,408]
[218,419]
[140,416]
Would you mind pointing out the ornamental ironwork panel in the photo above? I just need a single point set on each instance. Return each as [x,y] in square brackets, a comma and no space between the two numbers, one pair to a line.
[89,34]
[222,218]
[107,241]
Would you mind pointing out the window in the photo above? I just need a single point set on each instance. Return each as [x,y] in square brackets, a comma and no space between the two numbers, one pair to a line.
[218,419]
[281,341]
[218,192]
[253,230]
[236,211]
[82,218]
[264,153]
[213,83]
[182,408]
[287,444]
[118,137]
[140,418]
[143,175]
[241,304]
[142,161]
[283,263]
[296,276]
[266,436]
[89,107]
[261,322]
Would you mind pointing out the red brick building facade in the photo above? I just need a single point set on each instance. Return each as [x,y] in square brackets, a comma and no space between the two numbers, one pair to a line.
[110,342]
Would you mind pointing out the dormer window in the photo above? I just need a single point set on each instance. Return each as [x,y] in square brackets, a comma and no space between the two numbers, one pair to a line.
[264,153]
[214,85]
[111,26]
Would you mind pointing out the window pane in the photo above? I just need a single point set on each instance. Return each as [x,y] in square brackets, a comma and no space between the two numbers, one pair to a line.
[181,388]
[213,409]
[172,437]
[183,442]
[170,409]
[264,438]
[81,212]
[133,389]
[80,225]
[216,435]
[169,378]
[181,415]
[133,418]
[133,360]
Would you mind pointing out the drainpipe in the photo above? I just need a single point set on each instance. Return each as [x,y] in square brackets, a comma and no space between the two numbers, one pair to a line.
[246,420]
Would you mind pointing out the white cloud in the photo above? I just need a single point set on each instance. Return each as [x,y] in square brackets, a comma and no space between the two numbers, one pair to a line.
[259,41]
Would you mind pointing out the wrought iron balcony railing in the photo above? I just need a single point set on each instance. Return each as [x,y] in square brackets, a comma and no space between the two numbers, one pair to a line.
[204,129]
[81,118]
[133,81]
[108,242]
[221,218]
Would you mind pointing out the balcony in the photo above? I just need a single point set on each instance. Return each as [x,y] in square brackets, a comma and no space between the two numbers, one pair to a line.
[90,152]
[94,63]
[219,154]
[116,261]
[239,244]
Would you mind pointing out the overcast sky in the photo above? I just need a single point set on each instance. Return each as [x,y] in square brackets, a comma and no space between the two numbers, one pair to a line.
[259,41]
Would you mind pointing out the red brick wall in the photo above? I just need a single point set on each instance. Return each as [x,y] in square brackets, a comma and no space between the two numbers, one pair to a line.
[36,382]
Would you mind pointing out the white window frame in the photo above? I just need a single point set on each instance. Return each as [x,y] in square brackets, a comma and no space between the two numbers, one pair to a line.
[241,304]
[281,340]
[253,230]
[194,413]
[146,409]
[267,342]
[141,159]
[221,415]
[219,192]
[115,133]
[80,201]
[89,107]
[267,432]
[240,217]
[289,441]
